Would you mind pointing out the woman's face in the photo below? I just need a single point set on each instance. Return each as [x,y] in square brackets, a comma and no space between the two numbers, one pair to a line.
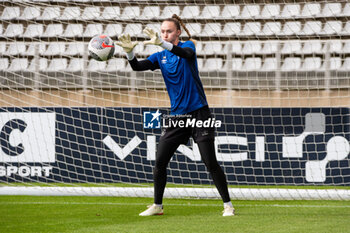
[169,32]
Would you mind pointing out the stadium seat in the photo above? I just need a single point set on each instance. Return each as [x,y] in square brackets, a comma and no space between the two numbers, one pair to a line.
[154,26]
[270,11]
[150,12]
[73,30]
[346,64]
[130,12]
[211,48]
[76,48]
[251,28]
[251,47]
[210,12]
[270,47]
[96,65]
[119,50]
[331,27]
[231,29]
[91,13]
[16,48]
[14,30]
[335,46]
[70,13]
[290,11]
[346,29]
[194,28]
[53,30]
[133,29]
[311,10]
[30,13]
[75,65]
[116,64]
[50,13]
[10,13]
[200,63]
[4,64]
[212,64]
[92,30]
[150,49]
[57,64]
[290,28]
[311,28]
[190,12]
[18,64]
[111,12]
[230,11]
[250,11]
[270,64]
[346,47]
[1,30]
[3,48]
[331,9]
[32,47]
[290,47]
[252,63]
[168,11]
[55,49]
[42,65]
[211,29]
[271,28]
[113,30]
[312,46]
[34,30]
[334,63]
[291,64]
[237,64]
[346,10]
[236,47]
[311,64]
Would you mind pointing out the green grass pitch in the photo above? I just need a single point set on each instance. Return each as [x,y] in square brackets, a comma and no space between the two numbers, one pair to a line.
[117,214]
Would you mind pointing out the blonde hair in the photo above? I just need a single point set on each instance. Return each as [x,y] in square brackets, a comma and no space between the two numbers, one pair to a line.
[179,23]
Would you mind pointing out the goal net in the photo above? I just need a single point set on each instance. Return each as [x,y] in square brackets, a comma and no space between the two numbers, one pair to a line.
[276,76]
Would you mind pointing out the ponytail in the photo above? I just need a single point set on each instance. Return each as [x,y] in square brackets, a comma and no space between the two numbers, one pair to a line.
[178,21]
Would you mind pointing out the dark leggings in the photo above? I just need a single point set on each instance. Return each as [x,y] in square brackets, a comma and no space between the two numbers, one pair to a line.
[167,149]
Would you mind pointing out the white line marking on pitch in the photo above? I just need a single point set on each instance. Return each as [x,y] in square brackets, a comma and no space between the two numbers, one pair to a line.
[171,204]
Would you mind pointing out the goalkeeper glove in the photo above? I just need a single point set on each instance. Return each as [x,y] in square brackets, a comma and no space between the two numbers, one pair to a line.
[127,45]
[155,39]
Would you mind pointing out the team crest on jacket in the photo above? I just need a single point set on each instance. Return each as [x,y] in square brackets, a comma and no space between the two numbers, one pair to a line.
[164,60]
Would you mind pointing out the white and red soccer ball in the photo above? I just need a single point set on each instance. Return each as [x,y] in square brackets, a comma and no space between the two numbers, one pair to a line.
[101,48]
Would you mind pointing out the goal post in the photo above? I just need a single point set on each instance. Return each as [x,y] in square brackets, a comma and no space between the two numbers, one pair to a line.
[276,77]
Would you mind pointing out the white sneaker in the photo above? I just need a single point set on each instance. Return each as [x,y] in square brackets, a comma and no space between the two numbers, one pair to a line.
[228,211]
[152,210]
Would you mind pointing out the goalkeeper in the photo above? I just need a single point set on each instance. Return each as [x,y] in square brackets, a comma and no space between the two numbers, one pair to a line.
[178,63]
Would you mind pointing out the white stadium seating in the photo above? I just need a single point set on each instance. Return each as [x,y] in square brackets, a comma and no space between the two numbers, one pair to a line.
[4,64]
[331,9]
[73,30]
[75,65]
[50,13]
[91,13]
[150,12]
[291,11]
[190,12]
[70,13]
[53,30]
[34,30]
[311,9]
[130,12]
[18,64]
[291,64]
[270,11]
[210,12]
[14,30]
[30,13]
[250,11]
[168,11]
[111,12]
[10,13]
[230,11]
